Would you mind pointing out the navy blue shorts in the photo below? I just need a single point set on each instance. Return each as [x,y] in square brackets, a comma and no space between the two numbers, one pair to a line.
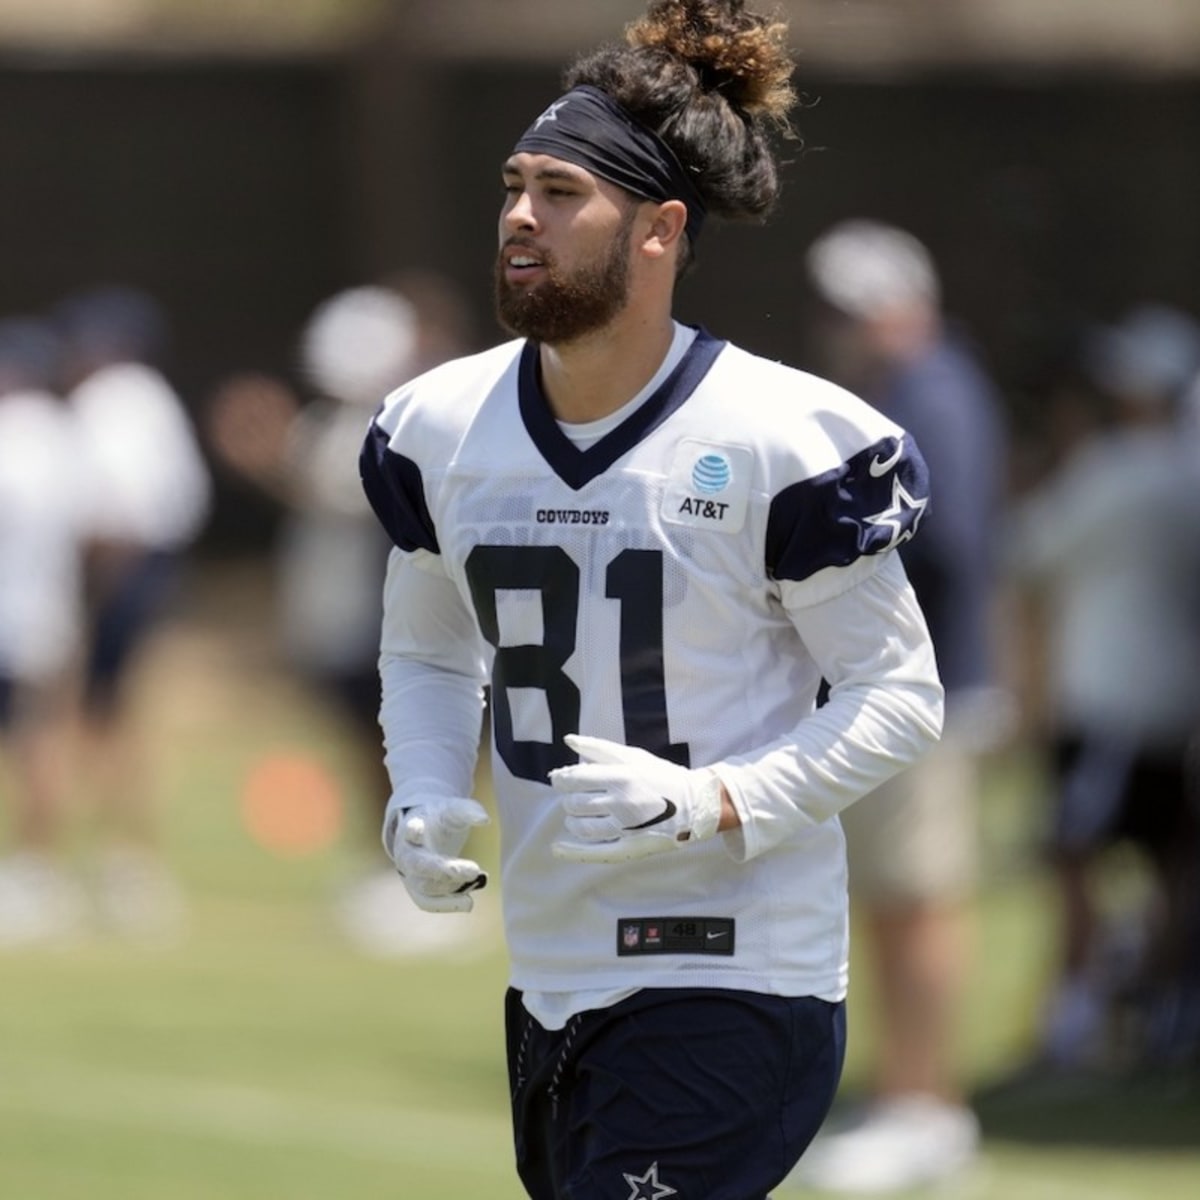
[122,621]
[1110,793]
[697,1094]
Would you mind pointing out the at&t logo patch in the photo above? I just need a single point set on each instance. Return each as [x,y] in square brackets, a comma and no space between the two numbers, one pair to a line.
[709,486]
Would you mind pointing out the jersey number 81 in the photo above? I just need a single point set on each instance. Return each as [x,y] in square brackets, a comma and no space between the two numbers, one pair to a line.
[634,580]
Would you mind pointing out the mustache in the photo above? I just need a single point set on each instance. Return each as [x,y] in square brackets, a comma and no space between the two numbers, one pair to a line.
[517,242]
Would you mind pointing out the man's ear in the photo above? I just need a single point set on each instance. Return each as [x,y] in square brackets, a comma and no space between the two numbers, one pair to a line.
[668,221]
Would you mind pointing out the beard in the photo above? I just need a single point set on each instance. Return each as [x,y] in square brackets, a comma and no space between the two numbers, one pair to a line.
[565,306]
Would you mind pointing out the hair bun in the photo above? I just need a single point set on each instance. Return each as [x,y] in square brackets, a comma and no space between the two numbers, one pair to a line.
[742,55]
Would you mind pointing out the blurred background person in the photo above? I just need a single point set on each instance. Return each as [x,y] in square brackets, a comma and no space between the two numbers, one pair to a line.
[43,499]
[1108,544]
[877,328]
[150,500]
[300,444]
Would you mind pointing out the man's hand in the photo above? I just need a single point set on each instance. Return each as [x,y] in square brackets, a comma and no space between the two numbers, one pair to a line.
[623,803]
[424,836]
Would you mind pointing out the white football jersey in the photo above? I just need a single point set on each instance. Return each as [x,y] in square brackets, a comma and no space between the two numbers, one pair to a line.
[682,585]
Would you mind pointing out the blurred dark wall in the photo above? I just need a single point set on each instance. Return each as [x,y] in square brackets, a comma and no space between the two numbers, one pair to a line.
[219,186]
[242,192]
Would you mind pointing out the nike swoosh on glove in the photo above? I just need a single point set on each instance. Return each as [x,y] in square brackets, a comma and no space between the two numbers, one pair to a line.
[623,803]
[424,836]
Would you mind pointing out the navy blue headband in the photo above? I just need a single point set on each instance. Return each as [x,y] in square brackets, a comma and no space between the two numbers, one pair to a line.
[589,128]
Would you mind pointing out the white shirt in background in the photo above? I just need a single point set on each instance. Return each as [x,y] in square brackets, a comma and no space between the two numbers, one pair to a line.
[45,493]
[153,488]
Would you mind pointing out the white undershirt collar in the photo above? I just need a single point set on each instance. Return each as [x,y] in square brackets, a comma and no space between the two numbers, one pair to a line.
[585,434]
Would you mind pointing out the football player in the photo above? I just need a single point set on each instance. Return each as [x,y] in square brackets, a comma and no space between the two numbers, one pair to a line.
[653,547]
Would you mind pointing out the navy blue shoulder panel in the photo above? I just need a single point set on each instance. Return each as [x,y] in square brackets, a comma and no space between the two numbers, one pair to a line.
[394,487]
[577,467]
[872,502]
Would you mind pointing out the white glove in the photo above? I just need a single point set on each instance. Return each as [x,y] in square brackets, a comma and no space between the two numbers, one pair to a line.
[424,836]
[623,803]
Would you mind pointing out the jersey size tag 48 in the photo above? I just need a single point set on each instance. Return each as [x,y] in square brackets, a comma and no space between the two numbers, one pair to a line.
[674,935]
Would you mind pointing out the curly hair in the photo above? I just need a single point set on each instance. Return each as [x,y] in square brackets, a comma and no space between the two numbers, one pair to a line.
[713,80]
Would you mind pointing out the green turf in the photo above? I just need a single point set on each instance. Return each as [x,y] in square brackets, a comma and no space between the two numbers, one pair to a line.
[262,1058]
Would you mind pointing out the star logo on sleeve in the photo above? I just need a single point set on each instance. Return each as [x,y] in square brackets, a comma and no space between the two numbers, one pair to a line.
[901,517]
[648,1186]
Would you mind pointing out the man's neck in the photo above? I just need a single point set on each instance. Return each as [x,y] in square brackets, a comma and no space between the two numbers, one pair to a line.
[593,376]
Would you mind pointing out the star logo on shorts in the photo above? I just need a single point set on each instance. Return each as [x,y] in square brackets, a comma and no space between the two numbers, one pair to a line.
[551,114]
[648,1186]
[901,517]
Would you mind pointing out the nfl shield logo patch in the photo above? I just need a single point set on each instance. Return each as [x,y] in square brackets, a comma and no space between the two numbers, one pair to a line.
[631,935]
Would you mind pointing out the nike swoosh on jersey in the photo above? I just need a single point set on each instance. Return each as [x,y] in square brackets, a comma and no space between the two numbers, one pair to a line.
[878,466]
[665,815]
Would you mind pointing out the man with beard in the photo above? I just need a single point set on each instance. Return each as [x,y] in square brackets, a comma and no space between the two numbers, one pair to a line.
[654,547]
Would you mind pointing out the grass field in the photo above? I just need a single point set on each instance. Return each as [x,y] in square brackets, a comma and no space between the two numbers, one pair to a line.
[261,1058]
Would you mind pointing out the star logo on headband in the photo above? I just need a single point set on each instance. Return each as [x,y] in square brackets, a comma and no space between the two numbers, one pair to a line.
[551,114]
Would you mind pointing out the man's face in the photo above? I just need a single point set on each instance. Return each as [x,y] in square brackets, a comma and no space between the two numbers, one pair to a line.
[563,267]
